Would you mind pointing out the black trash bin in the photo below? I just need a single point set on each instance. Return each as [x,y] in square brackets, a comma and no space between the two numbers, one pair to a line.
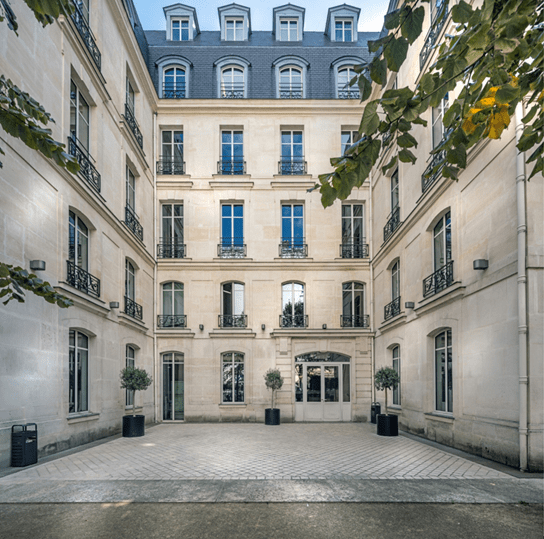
[24,445]
[375,409]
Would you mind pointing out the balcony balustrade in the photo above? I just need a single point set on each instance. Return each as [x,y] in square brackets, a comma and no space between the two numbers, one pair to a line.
[355,321]
[293,248]
[229,167]
[86,168]
[291,91]
[86,34]
[133,124]
[353,250]
[429,177]
[391,309]
[235,90]
[133,309]
[292,166]
[232,248]
[293,321]
[393,222]
[170,166]
[173,90]
[232,320]
[348,92]
[439,280]
[131,220]
[170,248]
[172,321]
[437,23]
[82,280]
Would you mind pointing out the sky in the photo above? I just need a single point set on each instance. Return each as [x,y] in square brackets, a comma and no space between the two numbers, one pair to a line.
[370,20]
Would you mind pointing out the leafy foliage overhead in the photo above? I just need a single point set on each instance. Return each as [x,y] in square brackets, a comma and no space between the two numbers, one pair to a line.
[493,61]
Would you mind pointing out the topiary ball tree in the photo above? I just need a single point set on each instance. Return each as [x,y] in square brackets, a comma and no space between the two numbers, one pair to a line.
[133,379]
[384,379]
[273,381]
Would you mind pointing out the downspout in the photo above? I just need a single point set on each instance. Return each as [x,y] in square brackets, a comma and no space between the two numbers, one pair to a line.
[522,293]
[371,254]
[156,361]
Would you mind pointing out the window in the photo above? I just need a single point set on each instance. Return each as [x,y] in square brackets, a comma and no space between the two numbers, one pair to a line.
[343,30]
[443,372]
[172,306]
[232,231]
[131,217]
[174,83]
[353,240]
[442,242]
[79,117]
[353,306]
[290,84]
[437,121]
[83,6]
[232,83]
[395,280]
[232,153]
[232,308]
[129,362]
[348,138]
[395,190]
[292,302]
[78,392]
[78,242]
[171,243]
[173,386]
[396,367]
[288,30]
[131,189]
[171,159]
[232,369]
[344,90]
[180,30]
[129,280]
[292,231]
[234,30]
[130,97]
[292,153]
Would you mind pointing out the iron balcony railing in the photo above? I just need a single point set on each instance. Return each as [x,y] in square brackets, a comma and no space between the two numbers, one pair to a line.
[439,280]
[86,34]
[232,321]
[232,248]
[429,177]
[353,250]
[86,168]
[355,321]
[391,309]
[82,280]
[291,166]
[233,90]
[291,91]
[173,91]
[386,138]
[170,166]
[293,248]
[348,92]
[172,321]
[393,222]
[293,320]
[131,220]
[133,124]
[437,23]
[170,248]
[231,166]
[133,309]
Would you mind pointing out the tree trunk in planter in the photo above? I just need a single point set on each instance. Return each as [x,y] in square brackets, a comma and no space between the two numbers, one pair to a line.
[272,416]
[133,426]
[388,425]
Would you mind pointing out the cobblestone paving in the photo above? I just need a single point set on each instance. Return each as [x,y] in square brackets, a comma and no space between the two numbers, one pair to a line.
[255,451]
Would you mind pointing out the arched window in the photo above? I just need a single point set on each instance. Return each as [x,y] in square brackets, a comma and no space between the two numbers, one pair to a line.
[174,83]
[232,373]
[232,83]
[292,303]
[353,306]
[78,384]
[130,354]
[443,371]
[291,83]
[172,306]
[232,306]
[173,386]
[395,352]
[343,89]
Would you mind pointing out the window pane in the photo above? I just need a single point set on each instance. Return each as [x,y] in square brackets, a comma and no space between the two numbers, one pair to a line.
[345,383]
[239,382]
[167,299]
[227,379]
[313,384]
[298,382]
[82,373]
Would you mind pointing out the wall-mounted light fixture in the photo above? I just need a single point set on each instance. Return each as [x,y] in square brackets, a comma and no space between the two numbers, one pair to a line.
[37,265]
[263,327]
[480,264]
[114,305]
[201,327]
[409,305]
[324,326]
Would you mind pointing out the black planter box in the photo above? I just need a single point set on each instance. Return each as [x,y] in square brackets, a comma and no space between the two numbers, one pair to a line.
[375,409]
[388,425]
[272,416]
[133,426]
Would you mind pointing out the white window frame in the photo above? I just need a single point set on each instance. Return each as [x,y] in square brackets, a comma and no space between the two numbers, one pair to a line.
[290,21]
[395,281]
[352,136]
[232,362]
[77,228]
[171,289]
[130,97]
[229,89]
[81,124]
[395,192]
[395,357]
[291,90]
[130,280]
[180,93]
[288,289]
[237,33]
[181,28]
[344,21]
[355,288]
[343,89]
[448,380]
[437,120]
[130,189]
[130,359]
[445,221]
[74,406]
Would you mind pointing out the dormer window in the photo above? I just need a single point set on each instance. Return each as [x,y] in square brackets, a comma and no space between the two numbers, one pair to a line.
[288,23]
[180,30]
[343,30]
[288,30]
[234,30]
[181,22]
[342,23]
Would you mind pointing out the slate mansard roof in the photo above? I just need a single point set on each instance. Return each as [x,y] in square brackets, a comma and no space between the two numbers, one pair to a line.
[260,51]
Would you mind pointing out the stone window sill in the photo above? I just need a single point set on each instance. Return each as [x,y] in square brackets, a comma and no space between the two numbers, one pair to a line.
[438,416]
[80,418]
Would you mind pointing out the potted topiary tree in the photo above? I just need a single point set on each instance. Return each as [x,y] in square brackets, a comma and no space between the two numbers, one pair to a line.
[133,379]
[387,378]
[273,381]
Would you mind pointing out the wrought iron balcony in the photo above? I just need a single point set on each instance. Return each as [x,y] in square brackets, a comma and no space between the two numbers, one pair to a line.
[86,168]
[429,177]
[437,23]
[386,139]
[131,220]
[353,250]
[232,248]
[234,90]
[170,166]
[86,34]
[133,309]
[293,321]
[348,92]
[172,321]
[131,121]
[169,248]
[231,167]
[291,166]
[173,90]
[355,321]
[291,91]
[82,280]
[391,309]
[439,280]
[293,248]
[393,222]
[232,321]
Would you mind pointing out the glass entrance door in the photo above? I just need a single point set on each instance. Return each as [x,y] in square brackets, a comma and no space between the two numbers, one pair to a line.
[173,381]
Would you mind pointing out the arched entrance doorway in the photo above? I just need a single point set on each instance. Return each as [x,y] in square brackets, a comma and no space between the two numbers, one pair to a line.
[322,387]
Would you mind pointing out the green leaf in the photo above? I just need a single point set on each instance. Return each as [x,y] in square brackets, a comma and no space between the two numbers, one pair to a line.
[452,113]
[505,94]
[427,83]
[406,141]
[406,156]
[457,156]
[413,24]
[461,12]
[378,71]
[365,87]
[371,120]
[392,20]
[395,53]
[391,164]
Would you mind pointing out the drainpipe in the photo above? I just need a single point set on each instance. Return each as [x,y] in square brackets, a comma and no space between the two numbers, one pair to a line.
[156,361]
[522,293]
[372,324]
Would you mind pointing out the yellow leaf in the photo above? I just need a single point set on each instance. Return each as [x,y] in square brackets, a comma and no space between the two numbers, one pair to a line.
[486,102]
[468,126]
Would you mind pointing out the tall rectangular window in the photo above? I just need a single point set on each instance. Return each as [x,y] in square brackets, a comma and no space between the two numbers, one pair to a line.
[232,305]
[131,189]
[288,30]
[442,242]
[349,138]
[352,223]
[129,362]
[292,224]
[292,153]
[443,371]
[79,117]
[232,224]
[130,97]
[130,281]
[171,158]
[180,30]
[78,237]
[232,369]
[172,223]
[343,30]
[395,190]
[396,368]
[78,399]
[234,30]
[232,152]
[438,121]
